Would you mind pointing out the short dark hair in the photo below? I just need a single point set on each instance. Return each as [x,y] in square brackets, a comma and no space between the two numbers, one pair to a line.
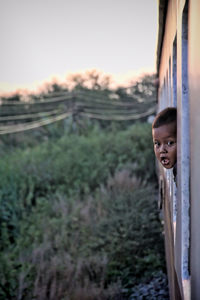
[164,117]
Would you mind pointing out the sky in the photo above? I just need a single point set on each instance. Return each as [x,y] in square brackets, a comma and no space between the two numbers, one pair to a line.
[44,39]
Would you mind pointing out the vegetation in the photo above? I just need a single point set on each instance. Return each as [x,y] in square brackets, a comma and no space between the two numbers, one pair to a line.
[79,217]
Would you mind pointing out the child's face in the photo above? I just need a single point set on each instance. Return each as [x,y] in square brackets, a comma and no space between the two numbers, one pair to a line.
[164,139]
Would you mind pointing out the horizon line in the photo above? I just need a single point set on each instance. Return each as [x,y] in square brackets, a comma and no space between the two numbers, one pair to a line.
[39,86]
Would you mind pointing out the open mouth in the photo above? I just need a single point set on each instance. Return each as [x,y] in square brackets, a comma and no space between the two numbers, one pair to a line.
[164,161]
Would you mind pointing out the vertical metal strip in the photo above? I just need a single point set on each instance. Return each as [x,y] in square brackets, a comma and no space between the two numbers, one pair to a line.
[185,161]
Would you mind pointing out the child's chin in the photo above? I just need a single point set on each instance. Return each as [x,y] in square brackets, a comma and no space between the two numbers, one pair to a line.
[169,166]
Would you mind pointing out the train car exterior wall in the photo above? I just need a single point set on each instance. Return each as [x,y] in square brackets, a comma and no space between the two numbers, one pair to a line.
[178,66]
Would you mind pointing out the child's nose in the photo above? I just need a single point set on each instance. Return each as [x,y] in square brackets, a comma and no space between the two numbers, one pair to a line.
[162,148]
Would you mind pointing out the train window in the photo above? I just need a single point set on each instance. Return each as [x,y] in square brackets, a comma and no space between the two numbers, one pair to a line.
[170,83]
[162,102]
[174,73]
[165,102]
[167,89]
[174,103]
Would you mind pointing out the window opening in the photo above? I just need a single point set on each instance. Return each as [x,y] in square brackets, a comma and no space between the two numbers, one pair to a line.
[174,73]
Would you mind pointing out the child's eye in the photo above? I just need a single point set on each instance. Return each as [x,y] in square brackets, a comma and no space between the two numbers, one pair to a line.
[157,144]
[170,143]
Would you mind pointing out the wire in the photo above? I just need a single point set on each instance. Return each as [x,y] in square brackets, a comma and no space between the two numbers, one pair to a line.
[118,118]
[108,111]
[28,116]
[108,101]
[82,103]
[32,125]
[41,101]
[98,101]
[66,97]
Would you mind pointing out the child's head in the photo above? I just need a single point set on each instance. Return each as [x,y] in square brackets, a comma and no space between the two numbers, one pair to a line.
[164,137]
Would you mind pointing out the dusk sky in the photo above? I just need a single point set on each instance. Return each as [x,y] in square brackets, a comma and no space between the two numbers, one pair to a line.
[41,39]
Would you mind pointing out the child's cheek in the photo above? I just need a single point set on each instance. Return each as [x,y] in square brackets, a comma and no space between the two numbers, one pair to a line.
[157,155]
[155,151]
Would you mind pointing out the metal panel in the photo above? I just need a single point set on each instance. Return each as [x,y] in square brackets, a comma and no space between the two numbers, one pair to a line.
[194,95]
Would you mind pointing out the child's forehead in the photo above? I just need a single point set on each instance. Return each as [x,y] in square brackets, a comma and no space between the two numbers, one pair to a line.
[165,131]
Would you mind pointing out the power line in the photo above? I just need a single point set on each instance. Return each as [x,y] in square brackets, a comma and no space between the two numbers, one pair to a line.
[72,96]
[82,103]
[108,111]
[32,125]
[42,100]
[28,116]
[118,118]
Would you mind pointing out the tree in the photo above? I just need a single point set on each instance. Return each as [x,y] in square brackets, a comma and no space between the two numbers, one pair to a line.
[92,79]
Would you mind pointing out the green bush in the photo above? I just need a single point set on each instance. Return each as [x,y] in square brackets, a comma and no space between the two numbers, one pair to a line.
[69,247]
[78,213]
[72,164]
